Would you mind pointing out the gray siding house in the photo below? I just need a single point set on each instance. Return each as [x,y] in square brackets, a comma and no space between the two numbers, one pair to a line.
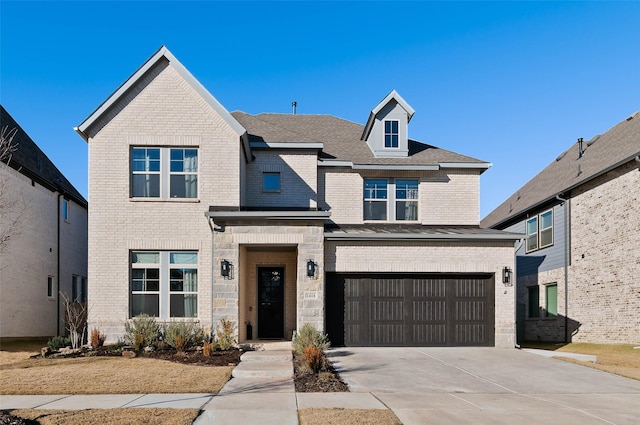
[45,254]
[277,220]
[577,270]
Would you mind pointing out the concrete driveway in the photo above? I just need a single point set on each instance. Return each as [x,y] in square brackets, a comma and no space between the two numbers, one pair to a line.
[487,386]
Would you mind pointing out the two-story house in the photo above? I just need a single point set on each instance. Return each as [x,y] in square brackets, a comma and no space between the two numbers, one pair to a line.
[277,220]
[577,272]
[43,240]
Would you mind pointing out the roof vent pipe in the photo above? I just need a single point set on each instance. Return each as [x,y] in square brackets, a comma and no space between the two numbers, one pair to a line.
[580,148]
[293,105]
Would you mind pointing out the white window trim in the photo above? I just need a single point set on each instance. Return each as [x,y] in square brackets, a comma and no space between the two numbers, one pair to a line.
[165,174]
[164,292]
[392,200]
[538,232]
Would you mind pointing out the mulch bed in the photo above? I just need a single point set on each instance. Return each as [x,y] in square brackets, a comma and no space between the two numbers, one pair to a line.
[327,381]
[8,419]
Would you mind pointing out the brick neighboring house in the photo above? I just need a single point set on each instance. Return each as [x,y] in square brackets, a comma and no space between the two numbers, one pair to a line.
[274,221]
[577,273]
[47,250]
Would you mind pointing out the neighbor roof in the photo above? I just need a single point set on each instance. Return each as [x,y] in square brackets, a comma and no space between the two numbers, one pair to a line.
[341,141]
[601,154]
[29,160]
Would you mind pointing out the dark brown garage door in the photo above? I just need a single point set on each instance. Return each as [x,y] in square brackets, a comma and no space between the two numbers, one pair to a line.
[410,310]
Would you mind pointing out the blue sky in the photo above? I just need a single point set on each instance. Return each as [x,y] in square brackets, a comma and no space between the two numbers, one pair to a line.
[512,83]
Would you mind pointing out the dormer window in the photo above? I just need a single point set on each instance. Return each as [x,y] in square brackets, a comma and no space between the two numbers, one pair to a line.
[391,134]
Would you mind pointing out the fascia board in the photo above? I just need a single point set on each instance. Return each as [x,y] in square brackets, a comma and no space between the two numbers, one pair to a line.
[335,164]
[476,165]
[395,167]
[287,145]
[269,215]
[427,237]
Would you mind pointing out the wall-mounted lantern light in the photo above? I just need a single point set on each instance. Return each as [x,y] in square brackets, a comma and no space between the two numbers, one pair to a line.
[225,268]
[311,268]
[506,276]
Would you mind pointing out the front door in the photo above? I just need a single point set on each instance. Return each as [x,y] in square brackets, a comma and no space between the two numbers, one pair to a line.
[271,302]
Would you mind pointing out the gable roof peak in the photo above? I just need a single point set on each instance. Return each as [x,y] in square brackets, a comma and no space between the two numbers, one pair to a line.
[160,54]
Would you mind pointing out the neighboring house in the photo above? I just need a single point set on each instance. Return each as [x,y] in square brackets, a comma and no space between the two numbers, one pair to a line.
[577,272]
[46,253]
[274,221]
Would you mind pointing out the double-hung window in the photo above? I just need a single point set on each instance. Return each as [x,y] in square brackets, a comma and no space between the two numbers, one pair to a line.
[407,200]
[391,134]
[540,231]
[164,172]
[164,284]
[375,199]
[389,199]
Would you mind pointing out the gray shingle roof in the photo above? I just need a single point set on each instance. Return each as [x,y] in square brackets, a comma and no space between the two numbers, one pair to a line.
[341,139]
[29,160]
[602,153]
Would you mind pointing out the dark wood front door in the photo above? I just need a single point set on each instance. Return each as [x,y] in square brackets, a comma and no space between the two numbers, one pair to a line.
[271,302]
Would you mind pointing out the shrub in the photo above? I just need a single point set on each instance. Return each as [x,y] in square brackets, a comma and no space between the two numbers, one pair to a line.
[207,348]
[183,335]
[314,358]
[308,335]
[225,334]
[97,338]
[58,342]
[142,331]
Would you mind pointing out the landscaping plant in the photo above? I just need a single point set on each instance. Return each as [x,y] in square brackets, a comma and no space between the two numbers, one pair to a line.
[76,320]
[97,338]
[308,335]
[183,335]
[225,334]
[142,331]
[58,342]
[314,358]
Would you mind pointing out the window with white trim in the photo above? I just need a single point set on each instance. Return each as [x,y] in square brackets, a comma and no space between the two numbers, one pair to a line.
[539,231]
[164,284]
[391,134]
[391,200]
[164,173]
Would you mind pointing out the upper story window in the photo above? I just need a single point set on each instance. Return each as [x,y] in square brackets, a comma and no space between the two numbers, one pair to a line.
[391,134]
[164,173]
[65,209]
[395,199]
[164,284]
[270,182]
[540,231]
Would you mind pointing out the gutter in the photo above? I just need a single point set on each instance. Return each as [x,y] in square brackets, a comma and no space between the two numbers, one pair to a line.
[329,236]
[567,229]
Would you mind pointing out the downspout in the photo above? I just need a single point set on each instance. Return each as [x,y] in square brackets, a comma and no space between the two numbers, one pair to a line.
[567,229]
[212,226]
[60,194]
[515,292]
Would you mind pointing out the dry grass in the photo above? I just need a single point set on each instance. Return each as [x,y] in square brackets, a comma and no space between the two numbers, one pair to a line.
[106,375]
[347,417]
[622,360]
[110,416]
[14,351]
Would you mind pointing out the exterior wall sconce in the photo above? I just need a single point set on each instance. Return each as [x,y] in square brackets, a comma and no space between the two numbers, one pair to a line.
[507,274]
[311,268]
[225,268]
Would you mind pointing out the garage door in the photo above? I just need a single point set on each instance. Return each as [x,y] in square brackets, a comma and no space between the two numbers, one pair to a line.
[410,310]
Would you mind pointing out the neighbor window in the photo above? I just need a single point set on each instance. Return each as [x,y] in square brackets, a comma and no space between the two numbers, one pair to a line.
[50,286]
[375,199]
[401,195]
[539,230]
[79,289]
[551,299]
[271,182]
[64,209]
[164,173]
[164,284]
[534,301]
[391,134]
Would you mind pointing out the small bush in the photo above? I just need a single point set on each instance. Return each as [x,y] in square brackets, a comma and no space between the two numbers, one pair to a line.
[97,338]
[58,342]
[142,331]
[183,335]
[314,358]
[207,348]
[225,334]
[308,335]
